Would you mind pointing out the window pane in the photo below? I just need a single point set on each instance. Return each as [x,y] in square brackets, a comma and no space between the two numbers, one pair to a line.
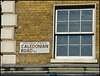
[62,39]
[74,26]
[74,15]
[62,16]
[86,27]
[61,50]
[74,50]
[74,39]
[86,50]
[62,27]
[87,15]
[86,39]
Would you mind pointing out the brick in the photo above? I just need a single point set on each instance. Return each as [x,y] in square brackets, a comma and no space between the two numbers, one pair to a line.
[35,23]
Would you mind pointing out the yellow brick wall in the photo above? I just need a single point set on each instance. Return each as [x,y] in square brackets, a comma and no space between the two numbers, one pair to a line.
[35,23]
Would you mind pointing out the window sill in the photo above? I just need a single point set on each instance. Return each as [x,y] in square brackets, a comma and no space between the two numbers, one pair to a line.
[73,60]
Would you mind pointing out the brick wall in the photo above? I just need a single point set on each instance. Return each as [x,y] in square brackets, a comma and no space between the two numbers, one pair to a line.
[35,23]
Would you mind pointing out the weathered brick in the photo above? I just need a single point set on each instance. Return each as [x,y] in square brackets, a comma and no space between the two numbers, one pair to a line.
[35,23]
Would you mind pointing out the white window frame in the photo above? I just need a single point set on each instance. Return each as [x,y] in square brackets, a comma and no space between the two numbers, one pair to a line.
[68,33]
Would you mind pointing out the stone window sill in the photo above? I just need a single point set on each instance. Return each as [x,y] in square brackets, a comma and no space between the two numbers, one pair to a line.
[73,60]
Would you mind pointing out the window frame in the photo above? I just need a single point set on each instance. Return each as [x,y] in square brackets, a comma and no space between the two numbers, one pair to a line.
[76,33]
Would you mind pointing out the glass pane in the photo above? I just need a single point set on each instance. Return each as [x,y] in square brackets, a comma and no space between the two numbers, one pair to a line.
[62,16]
[74,15]
[62,27]
[62,39]
[87,14]
[86,50]
[74,26]
[74,50]
[86,27]
[62,50]
[86,39]
[74,39]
